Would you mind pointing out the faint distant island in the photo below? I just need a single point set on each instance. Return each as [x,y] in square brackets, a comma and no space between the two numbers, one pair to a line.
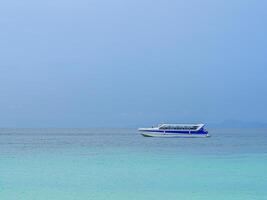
[231,123]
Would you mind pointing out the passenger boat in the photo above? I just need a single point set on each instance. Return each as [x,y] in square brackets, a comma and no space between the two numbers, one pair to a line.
[175,130]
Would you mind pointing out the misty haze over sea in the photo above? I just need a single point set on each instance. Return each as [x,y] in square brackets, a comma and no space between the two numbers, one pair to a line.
[78,77]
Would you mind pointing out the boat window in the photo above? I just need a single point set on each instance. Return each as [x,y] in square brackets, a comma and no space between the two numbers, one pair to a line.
[164,127]
[177,127]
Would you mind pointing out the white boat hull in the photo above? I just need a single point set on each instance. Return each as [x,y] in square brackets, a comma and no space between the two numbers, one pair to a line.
[172,135]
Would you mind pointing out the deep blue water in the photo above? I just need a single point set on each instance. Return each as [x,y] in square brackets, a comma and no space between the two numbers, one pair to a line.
[118,164]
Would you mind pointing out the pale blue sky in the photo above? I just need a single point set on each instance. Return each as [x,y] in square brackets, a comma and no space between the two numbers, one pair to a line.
[93,63]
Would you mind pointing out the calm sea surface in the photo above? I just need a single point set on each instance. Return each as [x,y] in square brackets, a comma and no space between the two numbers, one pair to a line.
[119,164]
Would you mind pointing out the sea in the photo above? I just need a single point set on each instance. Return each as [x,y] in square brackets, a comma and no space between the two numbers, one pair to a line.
[120,164]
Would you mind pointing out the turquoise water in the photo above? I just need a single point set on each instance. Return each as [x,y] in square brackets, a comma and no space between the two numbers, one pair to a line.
[76,164]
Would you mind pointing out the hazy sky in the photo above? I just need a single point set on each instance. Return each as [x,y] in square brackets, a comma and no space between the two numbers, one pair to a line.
[93,63]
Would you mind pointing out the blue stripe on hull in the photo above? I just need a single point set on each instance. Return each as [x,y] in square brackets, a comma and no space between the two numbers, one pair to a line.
[169,135]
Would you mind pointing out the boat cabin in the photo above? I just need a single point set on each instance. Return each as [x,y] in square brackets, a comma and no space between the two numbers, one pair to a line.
[180,126]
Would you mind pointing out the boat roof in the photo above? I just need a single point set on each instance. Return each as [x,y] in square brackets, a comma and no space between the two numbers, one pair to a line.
[181,124]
